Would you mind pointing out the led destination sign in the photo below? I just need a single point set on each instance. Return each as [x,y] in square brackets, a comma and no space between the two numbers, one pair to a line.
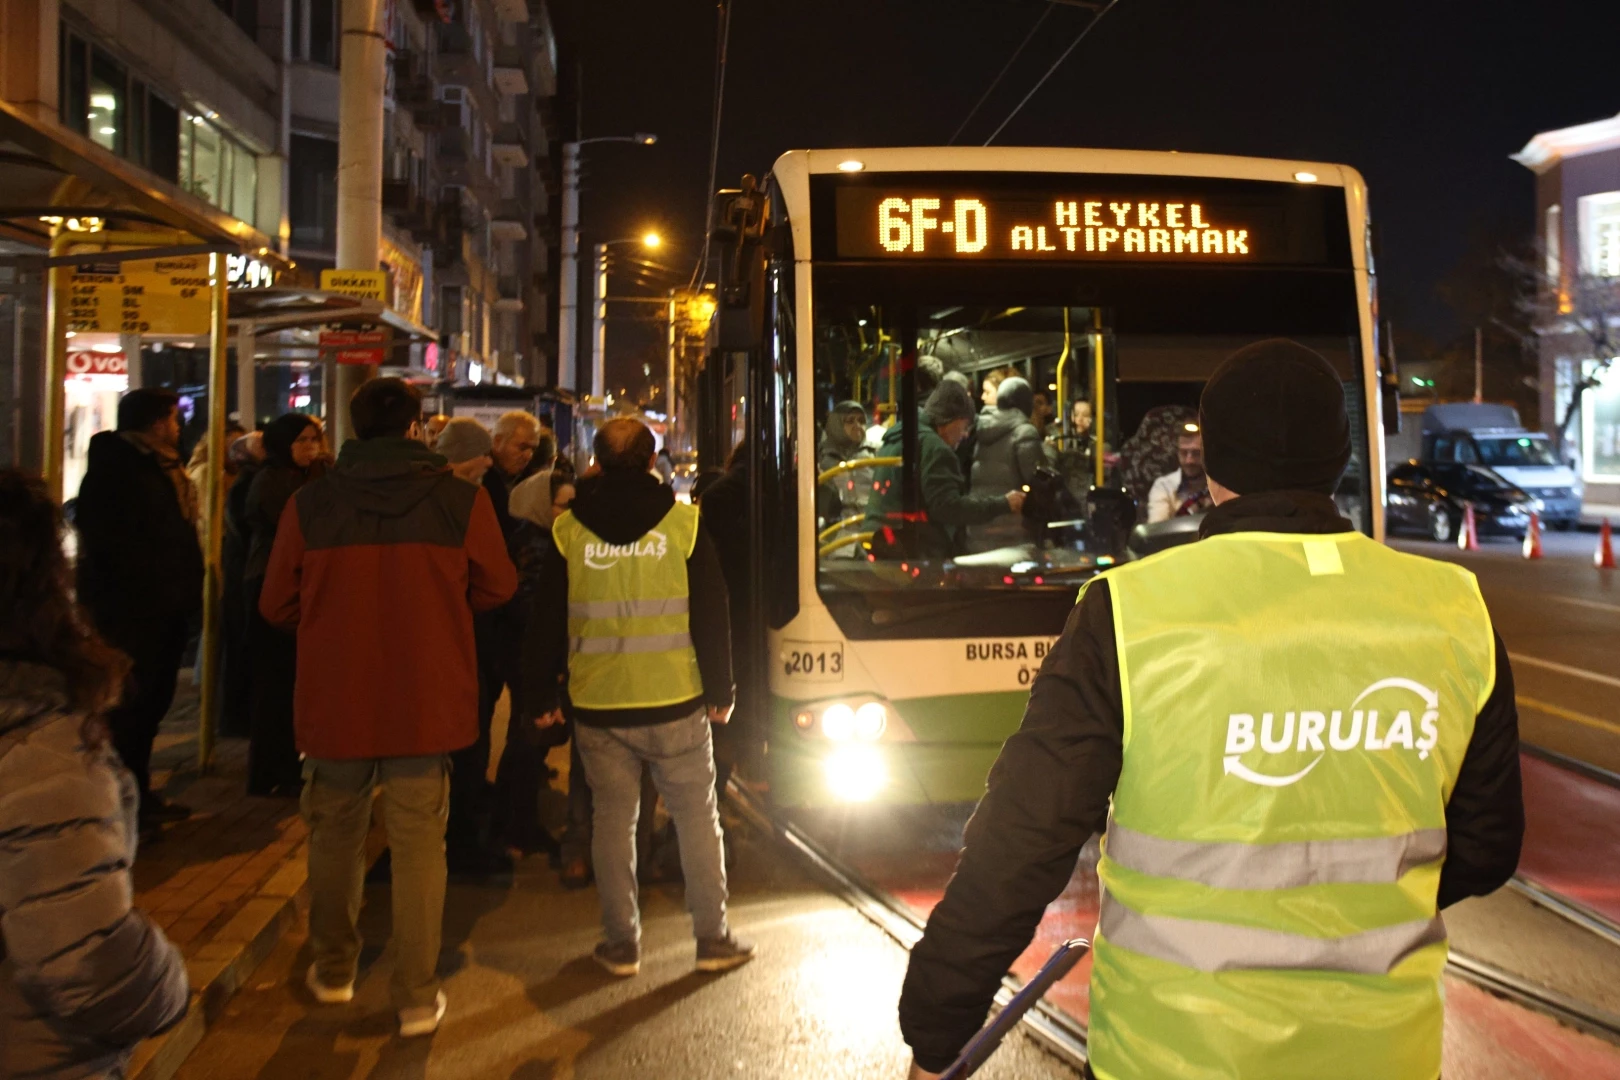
[1097,219]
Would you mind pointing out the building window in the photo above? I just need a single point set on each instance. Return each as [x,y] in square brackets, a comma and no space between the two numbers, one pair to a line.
[100,100]
[1600,234]
[1552,244]
[312,200]
[218,169]
[316,31]
[245,13]
[450,312]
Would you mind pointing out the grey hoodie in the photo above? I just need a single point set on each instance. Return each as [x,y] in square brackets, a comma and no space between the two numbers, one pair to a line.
[85,975]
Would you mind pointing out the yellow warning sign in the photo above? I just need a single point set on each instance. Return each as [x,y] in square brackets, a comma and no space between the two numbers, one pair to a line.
[366,284]
[148,296]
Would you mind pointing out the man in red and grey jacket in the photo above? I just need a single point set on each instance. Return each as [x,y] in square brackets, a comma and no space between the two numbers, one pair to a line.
[379,567]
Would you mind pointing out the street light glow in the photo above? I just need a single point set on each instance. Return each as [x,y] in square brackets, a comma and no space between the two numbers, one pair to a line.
[645,138]
[651,239]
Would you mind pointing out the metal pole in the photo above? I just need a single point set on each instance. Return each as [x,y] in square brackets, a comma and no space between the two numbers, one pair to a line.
[58,282]
[1479,366]
[568,286]
[359,175]
[669,381]
[599,274]
[213,511]
[247,407]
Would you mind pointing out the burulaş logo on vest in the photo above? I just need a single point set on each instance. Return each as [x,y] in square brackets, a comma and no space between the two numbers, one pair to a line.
[603,556]
[1340,730]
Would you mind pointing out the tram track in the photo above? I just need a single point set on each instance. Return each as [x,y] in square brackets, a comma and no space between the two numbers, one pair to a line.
[1065,1036]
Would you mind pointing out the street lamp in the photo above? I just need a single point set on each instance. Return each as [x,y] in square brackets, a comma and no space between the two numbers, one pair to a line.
[599,274]
[568,293]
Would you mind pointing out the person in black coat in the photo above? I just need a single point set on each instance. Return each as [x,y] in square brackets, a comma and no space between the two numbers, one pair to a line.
[293,453]
[140,570]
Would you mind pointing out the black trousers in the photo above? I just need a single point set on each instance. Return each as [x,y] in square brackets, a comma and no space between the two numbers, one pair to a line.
[273,766]
[471,794]
[156,645]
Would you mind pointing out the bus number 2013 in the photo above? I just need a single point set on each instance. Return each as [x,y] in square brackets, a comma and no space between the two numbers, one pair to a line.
[813,661]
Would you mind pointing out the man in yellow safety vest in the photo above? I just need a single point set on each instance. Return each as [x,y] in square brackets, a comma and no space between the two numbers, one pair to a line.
[632,608]
[1298,744]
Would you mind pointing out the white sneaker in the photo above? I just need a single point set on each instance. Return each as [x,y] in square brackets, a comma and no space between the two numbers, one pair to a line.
[328,995]
[422,1019]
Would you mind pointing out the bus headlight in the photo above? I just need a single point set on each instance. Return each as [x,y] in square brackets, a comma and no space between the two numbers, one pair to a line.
[870,720]
[856,773]
[838,722]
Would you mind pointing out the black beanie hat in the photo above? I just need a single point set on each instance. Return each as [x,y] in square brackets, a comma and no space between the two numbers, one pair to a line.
[1273,418]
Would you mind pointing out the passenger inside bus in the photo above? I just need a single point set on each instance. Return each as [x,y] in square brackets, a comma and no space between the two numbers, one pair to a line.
[1008,454]
[947,505]
[1185,492]
[843,439]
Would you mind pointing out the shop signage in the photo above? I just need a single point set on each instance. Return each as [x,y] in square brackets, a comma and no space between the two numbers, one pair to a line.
[246,272]
[97,363]
[366,284]
[151,296]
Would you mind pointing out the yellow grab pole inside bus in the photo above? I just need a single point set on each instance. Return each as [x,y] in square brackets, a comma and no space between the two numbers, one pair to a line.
[1062,379]
[209,652]
[1099,402]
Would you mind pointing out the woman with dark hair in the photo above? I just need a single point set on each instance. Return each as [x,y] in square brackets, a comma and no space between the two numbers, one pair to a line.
[294,449]
[87,976]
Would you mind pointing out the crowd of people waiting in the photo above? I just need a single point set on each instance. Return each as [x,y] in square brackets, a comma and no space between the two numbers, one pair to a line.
[378,605]
[976,465]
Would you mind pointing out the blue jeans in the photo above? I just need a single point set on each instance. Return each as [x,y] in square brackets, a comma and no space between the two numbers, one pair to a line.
[681,757]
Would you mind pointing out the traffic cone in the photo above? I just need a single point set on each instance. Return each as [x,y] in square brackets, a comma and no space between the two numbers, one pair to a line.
[1603,557]
[1468,536]
[1532,537]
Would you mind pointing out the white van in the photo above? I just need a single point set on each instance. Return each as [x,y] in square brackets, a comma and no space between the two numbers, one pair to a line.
[1492,436]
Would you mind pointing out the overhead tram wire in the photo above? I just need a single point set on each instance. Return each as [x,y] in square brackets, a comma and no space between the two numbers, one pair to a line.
[1051,71]
[722,39]
[1002,74]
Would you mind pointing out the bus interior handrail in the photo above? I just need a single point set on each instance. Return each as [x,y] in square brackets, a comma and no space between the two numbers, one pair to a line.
[843,542]
[858,463]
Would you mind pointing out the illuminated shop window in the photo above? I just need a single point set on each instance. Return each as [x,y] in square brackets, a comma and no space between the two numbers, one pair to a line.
[1600,233]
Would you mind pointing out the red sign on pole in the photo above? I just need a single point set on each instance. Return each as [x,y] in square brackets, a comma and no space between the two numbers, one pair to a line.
[354,346]
[358,356]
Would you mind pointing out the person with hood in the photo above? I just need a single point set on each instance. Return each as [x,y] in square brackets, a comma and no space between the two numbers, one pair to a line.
[522,773]
[947,508]
[1009,452]
[378,566]
[293,446]
[85,974]
[246,455]
[140,570]
[470,847]
[632,608]
[843,438]
[1269,908]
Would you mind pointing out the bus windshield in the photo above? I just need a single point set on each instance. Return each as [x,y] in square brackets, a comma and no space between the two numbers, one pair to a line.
[1075,427]
[1514,450]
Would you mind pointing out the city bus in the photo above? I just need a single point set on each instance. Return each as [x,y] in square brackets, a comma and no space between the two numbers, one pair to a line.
[888,653]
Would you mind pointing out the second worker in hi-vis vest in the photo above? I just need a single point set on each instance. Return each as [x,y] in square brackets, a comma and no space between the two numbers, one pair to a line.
[632,610]
[1298,744]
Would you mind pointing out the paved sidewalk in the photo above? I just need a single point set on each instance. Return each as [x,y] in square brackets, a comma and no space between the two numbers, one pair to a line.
[225,885]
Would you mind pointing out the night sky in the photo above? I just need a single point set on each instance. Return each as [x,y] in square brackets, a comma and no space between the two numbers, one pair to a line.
[1426,97]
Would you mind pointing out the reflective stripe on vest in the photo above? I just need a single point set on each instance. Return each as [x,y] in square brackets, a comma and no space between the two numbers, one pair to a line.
[1296,712]
[630,644]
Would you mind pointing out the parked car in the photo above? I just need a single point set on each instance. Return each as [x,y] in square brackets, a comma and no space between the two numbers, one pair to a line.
[1430,497]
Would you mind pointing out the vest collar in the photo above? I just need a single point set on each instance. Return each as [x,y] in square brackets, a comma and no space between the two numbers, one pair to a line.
[1304,512]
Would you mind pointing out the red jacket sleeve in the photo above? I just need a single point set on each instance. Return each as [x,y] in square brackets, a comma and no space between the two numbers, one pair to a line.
[279,600]
[491,577]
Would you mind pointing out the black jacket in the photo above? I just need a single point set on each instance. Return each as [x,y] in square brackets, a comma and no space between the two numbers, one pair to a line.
[620,507]
[138,555]
[1049,791]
